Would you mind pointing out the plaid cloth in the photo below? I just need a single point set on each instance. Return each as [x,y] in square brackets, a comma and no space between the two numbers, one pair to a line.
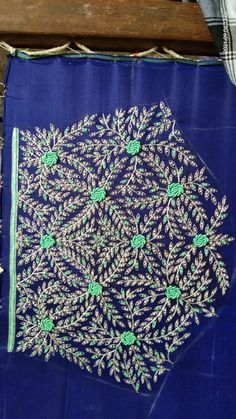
[220,16]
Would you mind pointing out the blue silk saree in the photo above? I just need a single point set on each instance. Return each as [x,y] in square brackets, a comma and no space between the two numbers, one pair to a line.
[118,293]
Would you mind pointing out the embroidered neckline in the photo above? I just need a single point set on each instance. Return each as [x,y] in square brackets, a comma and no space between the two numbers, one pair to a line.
[118,232]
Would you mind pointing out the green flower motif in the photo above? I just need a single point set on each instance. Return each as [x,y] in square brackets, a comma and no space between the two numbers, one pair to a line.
[98,194]
[47,324]
[50,158]
[47,241]
[138,241]
[200,240]
[174,190]
[128,338]
[95,288]
[173,292]
[133,147]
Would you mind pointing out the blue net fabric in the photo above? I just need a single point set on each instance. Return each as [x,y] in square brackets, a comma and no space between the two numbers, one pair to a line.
[121,227]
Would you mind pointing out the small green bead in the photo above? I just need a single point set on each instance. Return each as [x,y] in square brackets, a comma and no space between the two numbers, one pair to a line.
[47,241]
[47,325]
[138,241]
[200,240]
[98,194]
[128,338]
[50,158]
[173,292]
[174,190]
[133,147]
[95,288]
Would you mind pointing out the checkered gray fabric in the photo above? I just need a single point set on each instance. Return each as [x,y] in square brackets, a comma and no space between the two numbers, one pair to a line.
[220,16]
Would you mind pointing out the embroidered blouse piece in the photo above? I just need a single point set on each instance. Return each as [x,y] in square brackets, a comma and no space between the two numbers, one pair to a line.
[116,237]
[117,290]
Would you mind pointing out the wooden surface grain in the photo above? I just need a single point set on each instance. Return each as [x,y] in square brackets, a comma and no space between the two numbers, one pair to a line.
[106,24]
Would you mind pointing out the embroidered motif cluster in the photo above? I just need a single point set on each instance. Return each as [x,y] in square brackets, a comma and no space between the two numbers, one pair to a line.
[118,243]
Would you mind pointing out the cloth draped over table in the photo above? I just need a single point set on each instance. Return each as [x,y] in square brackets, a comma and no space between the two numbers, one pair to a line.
[115,228]
[220,16]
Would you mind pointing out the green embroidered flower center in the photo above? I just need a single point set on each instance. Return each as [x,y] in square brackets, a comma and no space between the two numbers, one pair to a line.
[133,147]
[50,158]
[98,194]
[173,292]
[95,288]
[138,241]
[47,241]
[47,325]
[128,338]
[200,240]
[174,190]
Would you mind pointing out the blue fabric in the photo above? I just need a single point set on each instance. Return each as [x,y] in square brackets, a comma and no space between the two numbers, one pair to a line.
[202,382]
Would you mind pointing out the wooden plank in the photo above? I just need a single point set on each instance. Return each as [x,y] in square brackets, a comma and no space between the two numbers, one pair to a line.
[106,24]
